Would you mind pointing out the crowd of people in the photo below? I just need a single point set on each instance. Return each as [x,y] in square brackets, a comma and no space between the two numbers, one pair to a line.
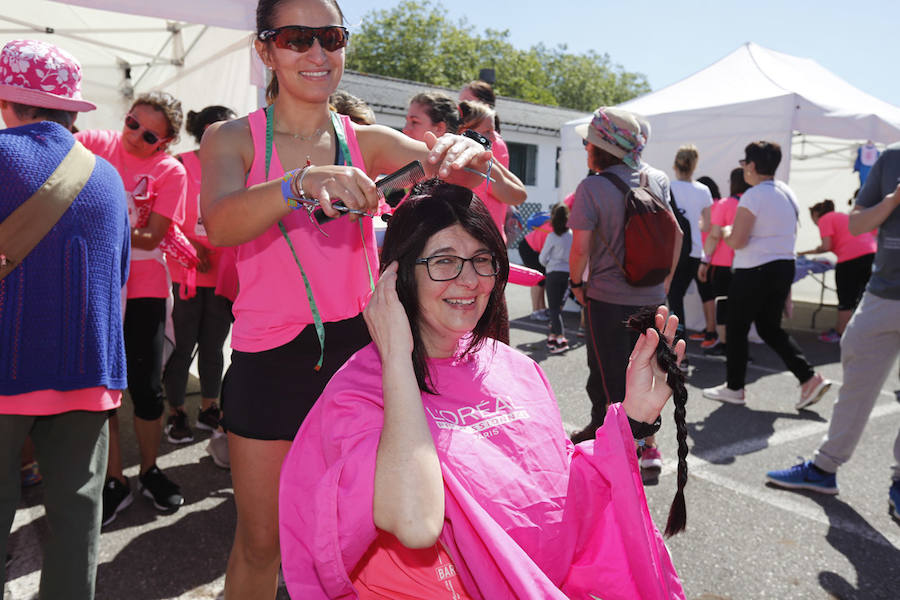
[383,439]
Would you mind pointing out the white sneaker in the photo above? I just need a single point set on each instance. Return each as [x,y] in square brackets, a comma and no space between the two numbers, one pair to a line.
[815,393]
[218,450]
[723,393]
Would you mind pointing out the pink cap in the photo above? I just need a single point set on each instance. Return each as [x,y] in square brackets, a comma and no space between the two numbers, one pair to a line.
[37,73]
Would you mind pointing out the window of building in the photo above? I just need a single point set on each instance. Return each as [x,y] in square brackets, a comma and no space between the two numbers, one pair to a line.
[523,161]
[556,177]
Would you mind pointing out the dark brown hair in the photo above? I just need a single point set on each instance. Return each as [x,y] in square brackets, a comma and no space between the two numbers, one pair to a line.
[765,155]
[738,184]
[440,108]
[821,208]
[197,122]
[559,218]
[432,207]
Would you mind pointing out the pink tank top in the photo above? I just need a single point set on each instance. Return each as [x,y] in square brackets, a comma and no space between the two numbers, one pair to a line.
[271,306]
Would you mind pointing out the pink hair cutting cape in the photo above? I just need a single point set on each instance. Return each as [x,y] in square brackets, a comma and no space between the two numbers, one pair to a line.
[528,516]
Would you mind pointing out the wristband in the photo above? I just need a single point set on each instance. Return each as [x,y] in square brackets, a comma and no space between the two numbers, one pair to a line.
[574,285]
[287,192]
[474,135]
[641,430]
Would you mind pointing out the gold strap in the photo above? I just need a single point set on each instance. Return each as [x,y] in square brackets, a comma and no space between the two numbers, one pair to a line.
[22,230]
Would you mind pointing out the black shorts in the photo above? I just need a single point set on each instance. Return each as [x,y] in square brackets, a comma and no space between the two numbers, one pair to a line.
[267,395]
[531,258]
[851,277]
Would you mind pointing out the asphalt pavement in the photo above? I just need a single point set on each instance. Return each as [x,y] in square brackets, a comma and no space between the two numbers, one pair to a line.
[744,539]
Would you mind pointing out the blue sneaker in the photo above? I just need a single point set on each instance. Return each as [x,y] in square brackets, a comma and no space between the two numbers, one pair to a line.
[804,477]
[894,500]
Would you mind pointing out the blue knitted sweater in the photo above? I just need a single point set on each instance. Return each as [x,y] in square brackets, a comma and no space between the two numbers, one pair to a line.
[60,310]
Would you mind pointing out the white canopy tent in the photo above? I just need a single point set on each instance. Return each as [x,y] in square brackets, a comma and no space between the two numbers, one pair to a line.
[200,51]
[755,93]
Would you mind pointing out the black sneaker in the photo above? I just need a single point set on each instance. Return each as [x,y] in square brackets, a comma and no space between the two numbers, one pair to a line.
[116,498]
[155,485]
[209,419]
[177,429]
[717,350]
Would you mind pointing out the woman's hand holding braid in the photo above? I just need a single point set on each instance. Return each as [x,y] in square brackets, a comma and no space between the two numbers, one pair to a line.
[646,391]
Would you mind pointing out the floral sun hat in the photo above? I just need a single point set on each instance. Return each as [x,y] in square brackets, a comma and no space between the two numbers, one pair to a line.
[37,73]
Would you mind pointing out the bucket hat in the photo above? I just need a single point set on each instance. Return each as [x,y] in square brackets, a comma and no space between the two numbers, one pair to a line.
[37,73]
[616,131]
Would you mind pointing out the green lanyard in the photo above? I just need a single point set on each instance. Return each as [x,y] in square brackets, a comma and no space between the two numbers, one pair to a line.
[345,151]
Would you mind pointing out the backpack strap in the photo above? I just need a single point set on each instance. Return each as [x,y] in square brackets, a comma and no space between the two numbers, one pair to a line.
[624,188]
[26,226]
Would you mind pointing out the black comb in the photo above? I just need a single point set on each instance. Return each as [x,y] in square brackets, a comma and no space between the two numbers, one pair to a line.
[393,188]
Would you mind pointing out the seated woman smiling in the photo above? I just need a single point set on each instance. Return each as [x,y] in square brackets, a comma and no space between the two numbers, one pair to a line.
[435,463]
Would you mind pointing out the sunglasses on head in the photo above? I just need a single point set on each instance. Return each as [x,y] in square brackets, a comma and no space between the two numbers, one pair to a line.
[300,39]
[148,136]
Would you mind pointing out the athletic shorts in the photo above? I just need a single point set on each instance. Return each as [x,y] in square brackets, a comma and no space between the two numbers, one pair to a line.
[267,395]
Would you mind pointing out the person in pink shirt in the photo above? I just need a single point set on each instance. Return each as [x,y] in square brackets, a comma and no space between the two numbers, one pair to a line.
[156,183]
[435,464]
[855,255]
[717,269]
[302,284]
[200,316]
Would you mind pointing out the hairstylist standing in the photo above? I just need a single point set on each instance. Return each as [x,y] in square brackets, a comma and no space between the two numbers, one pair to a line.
[302,288]
[154,180]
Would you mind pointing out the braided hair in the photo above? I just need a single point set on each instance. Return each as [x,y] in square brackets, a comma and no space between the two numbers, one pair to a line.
[641,321]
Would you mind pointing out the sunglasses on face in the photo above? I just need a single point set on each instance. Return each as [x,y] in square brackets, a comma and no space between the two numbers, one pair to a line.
[148,136]
[300,39]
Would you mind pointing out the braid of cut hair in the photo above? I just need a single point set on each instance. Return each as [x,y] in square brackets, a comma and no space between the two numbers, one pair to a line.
[665,357]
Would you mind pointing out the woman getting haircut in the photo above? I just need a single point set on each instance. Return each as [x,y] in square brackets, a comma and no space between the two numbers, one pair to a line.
[435,464]
[303,284]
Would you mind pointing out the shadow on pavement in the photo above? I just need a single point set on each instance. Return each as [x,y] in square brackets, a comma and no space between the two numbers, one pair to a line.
[876,560]
[738,429]
[169,561]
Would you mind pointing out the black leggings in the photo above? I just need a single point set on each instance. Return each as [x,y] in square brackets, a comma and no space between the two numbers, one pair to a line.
[757,295]
[202,321]
[144,328]
[685,273]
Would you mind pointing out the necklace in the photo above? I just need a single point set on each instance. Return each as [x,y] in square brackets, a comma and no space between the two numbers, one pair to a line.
[306,138]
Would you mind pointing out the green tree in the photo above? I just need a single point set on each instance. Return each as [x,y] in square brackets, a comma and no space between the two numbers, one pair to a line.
[417,41]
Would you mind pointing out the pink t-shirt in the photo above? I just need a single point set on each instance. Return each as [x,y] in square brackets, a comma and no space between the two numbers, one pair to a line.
[162,177]
[55,402]
[844,244]
[271,306]
[193,227]
[722,214]
[483,191]
[391,571]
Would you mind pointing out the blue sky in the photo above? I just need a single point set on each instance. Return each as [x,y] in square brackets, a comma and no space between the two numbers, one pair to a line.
[668,41]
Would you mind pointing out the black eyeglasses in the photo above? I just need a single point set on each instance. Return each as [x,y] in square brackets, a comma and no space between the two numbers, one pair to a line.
[133,124]
[743,162]
[300,39]
[444,267]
